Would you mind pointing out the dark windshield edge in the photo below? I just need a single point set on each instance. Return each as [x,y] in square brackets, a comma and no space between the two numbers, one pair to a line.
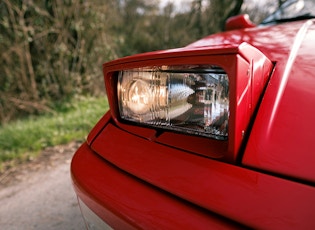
[301,17]
[292,10]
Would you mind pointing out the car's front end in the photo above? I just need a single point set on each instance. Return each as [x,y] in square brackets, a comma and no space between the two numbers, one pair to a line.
[212,135]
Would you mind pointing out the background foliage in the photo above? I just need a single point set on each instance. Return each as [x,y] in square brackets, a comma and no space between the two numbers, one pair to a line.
[52,50]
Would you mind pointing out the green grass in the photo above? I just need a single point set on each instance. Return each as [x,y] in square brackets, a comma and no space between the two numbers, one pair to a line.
[23,139]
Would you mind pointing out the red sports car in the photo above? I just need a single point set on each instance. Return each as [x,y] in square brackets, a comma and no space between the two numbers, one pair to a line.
[219,134]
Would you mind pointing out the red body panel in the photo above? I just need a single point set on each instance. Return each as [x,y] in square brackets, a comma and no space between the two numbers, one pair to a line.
[282,139]
[127,203]
[239,194]
[239,22]
[262,177]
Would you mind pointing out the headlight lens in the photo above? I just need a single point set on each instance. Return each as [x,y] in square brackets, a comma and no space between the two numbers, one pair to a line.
[193,99]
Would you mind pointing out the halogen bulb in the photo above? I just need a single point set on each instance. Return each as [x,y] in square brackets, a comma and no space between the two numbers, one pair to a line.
[139,97]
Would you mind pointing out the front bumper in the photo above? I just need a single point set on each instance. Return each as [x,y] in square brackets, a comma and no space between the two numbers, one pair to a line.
[125,202]
[131,182]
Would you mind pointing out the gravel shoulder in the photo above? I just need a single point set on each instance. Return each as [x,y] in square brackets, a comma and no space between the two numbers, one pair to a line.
[39,195]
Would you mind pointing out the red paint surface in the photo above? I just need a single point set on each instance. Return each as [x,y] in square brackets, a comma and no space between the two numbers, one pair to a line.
[239,22]
[262,180]
[283,137]
[125,202]
[240,194]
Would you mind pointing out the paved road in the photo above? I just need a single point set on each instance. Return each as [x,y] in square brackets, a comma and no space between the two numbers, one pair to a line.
[41,197]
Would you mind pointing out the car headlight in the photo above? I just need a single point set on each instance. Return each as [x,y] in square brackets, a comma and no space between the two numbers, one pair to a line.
[212,92]
[192,99]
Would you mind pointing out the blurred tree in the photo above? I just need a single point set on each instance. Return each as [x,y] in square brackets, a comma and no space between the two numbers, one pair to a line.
[49,51]
[131,31]
[172,28]
[209,16]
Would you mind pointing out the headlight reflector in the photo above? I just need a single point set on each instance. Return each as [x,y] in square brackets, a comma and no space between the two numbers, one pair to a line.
[192,99]
[138,97]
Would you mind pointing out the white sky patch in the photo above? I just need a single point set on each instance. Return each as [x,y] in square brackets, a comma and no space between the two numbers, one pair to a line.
[180,5]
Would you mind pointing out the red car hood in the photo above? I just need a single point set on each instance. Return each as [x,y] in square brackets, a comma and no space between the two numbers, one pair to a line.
[276,42]
[282,139]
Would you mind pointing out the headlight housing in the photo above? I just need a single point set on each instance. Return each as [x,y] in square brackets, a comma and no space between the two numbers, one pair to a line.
[190,98]
[211,92]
